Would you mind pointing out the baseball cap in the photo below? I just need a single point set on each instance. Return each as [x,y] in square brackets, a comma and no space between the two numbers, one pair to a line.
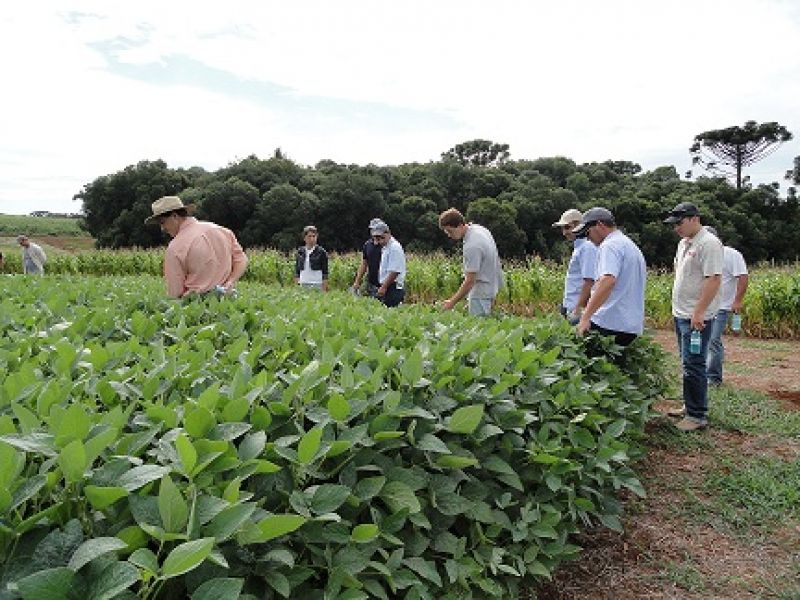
[591,217]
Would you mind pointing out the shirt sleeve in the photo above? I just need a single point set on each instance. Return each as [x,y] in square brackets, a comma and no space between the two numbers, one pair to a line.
[739,266]
[712,259]
[589,261]
[609,261]
[472,259]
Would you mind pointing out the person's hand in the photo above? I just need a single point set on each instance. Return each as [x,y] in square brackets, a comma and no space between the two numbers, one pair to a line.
[736,306]
[698,323]
[583,326]
[381,291]
[448,304]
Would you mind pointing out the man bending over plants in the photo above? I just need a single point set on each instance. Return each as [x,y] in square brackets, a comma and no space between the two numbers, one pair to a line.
[202,256]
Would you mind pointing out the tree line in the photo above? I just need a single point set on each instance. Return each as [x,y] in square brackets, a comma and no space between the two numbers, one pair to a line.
[266,202]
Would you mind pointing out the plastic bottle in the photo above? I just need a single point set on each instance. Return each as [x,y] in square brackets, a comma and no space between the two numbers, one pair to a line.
[736,322]
[695,342]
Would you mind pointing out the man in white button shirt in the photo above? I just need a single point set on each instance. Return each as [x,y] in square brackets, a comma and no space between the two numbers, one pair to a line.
[734,286]
[392,270]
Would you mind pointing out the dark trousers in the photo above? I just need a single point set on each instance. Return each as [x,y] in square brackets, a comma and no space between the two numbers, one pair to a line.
[393,296]
[621,338]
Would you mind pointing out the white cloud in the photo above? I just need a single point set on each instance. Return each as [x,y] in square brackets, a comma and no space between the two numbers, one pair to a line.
[632,80]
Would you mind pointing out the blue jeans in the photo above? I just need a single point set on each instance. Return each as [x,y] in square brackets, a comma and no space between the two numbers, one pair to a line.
[479,307]
[716,349]
[695,385]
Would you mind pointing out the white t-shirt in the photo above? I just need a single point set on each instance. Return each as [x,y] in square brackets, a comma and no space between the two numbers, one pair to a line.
[309,275]
[733,268]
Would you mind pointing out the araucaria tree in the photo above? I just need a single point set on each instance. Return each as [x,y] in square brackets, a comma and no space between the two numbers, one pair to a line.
[728,151]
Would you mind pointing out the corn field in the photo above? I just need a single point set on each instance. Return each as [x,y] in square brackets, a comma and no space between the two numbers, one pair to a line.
[771,308]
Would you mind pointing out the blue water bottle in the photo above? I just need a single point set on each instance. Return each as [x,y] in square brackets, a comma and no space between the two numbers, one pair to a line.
[736,322]
[695,341]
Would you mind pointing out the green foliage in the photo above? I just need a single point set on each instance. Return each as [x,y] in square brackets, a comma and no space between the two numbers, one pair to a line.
[268,445]
[267,202]
[771,307]
[13,225]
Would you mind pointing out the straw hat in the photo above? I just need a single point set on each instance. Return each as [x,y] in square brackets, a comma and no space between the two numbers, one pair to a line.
[167,204]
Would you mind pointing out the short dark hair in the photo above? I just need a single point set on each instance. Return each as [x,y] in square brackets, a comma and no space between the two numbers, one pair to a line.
[451,218]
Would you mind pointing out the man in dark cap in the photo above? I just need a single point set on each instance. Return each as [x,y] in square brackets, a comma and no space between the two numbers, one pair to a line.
[695,301]
[616,305]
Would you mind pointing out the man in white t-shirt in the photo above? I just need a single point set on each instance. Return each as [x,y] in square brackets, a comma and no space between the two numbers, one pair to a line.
[392,268]
[734,286]
[695,301]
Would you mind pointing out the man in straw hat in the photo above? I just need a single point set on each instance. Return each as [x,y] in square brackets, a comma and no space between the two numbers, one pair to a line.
[580,275]
[201,256]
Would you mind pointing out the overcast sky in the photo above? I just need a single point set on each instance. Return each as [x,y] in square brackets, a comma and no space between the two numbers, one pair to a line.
[90,87]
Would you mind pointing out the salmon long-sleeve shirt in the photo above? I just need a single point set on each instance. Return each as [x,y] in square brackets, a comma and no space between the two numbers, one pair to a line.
[200,256]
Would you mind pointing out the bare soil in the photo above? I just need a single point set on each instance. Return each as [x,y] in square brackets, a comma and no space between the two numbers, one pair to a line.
[666,551]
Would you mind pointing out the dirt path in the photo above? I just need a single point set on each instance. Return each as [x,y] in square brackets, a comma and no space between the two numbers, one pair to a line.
[671,547]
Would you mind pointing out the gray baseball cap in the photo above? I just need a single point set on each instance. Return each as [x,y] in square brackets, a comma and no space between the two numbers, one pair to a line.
[591,217]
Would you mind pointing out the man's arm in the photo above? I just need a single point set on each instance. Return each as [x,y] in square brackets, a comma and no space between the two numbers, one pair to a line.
[742,282]
[466,286]
[238,267]
[602,290]
[707,294]
[362,268]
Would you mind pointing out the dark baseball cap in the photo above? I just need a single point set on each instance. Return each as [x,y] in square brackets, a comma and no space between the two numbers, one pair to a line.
[682,210]
[591,217]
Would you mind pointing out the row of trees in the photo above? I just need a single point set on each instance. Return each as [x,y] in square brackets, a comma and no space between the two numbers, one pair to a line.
[266,202]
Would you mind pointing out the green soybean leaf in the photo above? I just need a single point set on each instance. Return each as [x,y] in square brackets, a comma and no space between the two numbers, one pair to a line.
[186,557]
[74,424]
[364,533]
[456,462]
[39,443]
[72,461]
[425,568]
[220,588]
[228,522]
[369,487]
[186,452]
[431,443]
[236,409]
[26,491]
[252,445]
[144,558]
[398,496]
[92,548]
[338,407]
[278,525]
[102,497]
[328,497]
[198,421]
[113,580]
[140,476]
[279,583]
[172,506]
[48,584]
[309,445]
[466,419]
